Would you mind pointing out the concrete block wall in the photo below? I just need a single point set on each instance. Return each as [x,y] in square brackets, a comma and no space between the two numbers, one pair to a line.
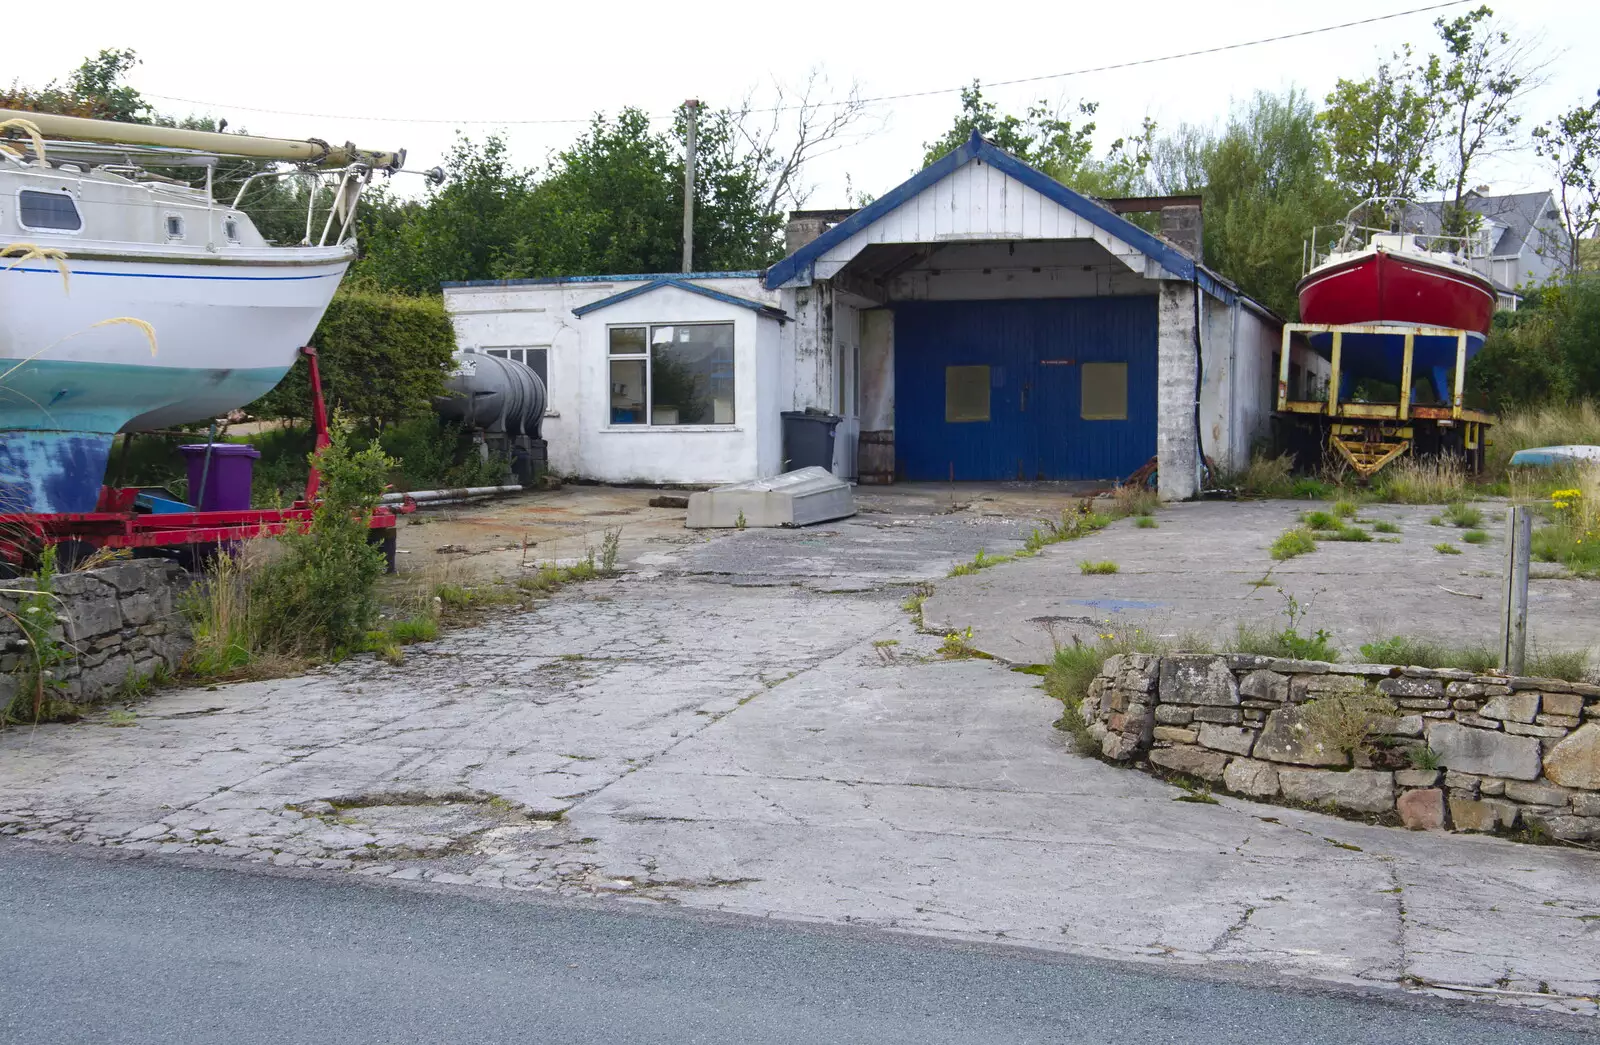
[119,621]
[1512,751]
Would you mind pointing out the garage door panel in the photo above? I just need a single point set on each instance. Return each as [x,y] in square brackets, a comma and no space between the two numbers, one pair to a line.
[1046,417]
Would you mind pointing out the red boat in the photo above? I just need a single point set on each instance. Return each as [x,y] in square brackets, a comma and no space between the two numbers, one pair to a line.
[1388,284]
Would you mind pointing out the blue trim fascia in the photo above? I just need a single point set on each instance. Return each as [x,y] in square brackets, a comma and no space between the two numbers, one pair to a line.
[177,275]
[760,308]
[541,281]
[798,267]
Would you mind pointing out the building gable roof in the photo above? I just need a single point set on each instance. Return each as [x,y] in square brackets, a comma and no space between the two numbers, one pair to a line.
[798,267]
[1519,212]
[760,308]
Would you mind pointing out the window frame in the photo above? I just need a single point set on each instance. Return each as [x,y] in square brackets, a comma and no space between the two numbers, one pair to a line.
[23,191]
[1083,387]
[166,224]
[520,354]
[648,357]
[988,392]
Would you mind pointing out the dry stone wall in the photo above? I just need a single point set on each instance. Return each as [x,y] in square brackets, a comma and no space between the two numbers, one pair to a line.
[1511,752]
[118,623]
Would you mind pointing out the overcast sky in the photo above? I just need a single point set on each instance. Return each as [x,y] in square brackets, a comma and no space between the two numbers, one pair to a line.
[401,74]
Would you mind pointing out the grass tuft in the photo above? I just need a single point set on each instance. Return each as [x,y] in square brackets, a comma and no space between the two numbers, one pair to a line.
[1446,549]
[1462,516]
[1293,542]
[1412,652]
[1432,480]
[1475,537]
[1385,526]
[1146,522]
[1103,566]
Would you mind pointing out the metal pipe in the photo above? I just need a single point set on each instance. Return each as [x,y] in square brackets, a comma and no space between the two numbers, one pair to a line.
[421,496]
[311,150]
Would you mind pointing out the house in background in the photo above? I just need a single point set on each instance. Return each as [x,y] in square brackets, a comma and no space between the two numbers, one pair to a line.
[1524,240]
[981,321]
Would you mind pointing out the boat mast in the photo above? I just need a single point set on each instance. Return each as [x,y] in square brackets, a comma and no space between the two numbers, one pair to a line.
[310,151]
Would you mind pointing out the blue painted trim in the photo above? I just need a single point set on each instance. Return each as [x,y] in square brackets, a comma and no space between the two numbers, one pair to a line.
[716,295]
[540,281]
[175,275]
[799,267]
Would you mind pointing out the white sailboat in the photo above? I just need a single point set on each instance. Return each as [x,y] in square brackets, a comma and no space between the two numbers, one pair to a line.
[94,239]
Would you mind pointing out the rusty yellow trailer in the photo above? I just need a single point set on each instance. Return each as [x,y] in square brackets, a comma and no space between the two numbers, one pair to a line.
[1369,435]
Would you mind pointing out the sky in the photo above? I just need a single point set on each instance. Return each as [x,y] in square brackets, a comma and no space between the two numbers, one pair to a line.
[411,75]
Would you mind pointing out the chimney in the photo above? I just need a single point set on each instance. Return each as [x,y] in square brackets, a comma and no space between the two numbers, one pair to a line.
[1180,225]
[802,229]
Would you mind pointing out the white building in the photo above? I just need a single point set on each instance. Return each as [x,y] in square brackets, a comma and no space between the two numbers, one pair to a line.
[980,321]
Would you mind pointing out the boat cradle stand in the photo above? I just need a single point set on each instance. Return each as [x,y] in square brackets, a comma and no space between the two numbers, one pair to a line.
[1369,435]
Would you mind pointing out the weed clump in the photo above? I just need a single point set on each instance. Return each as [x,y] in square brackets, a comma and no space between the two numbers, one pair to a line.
[1433,480]
[1146,522]
[1462,516]
[1475,537]
[1105,566]
[1410,651]
[1290,543]
[1385,526]
[1346,721]
[1446,549]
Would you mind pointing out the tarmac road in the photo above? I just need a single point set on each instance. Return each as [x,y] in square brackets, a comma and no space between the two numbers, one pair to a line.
[98,948]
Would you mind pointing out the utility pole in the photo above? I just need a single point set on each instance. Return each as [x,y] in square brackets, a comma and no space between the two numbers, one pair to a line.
[690,109]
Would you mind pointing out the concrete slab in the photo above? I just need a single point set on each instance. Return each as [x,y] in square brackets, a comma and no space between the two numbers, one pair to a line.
[799,498]
[750,723]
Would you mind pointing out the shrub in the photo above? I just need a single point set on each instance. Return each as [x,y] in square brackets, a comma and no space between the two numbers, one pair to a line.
[319,597]
[1344,721]
[1291,543]
[382,357]
[1104,566]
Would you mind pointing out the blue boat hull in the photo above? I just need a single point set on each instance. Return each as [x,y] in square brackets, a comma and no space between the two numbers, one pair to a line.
[1380,357]
[58,418]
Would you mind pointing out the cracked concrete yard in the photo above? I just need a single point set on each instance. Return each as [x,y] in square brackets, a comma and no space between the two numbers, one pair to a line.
[752,724]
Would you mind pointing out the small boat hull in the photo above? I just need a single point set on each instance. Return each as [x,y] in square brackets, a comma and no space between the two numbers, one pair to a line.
[1388,289]
[224,335]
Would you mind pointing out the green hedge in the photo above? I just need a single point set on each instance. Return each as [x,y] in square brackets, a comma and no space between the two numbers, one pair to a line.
[382,357]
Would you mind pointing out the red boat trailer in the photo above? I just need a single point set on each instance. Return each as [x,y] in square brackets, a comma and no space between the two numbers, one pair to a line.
[115,524]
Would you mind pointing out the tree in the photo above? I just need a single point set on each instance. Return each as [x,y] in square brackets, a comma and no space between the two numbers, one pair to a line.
[1058,140]
[1485,74]
[94,90]
[1382,132]
[802,124]
[1570,147]
[1267,185]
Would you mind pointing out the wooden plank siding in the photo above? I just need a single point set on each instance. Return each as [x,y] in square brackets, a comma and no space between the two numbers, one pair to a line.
[976,202]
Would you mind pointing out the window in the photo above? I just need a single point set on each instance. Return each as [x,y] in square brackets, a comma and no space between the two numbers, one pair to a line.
[230,229]
[174,227]
[535,358]
[966,393]
[1105,392]
[672,374]
[48,210]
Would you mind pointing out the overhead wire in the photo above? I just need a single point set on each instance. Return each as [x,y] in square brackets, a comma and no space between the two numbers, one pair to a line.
[876,99]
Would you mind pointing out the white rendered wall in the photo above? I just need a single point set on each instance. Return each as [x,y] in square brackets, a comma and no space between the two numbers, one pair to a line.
[582,441]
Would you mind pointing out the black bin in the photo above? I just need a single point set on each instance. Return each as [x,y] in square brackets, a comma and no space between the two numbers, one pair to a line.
[808,439]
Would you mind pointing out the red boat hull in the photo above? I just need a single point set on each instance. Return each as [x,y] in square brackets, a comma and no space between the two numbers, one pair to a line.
[1384,288]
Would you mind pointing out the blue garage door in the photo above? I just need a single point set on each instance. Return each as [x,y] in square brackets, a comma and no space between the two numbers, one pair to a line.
[1041,389]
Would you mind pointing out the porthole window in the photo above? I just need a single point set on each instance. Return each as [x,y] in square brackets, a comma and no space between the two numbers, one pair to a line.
[174,227]
[48,210]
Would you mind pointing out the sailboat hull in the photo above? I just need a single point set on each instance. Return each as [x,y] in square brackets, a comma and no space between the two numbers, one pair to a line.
[1383,288]
[71,376]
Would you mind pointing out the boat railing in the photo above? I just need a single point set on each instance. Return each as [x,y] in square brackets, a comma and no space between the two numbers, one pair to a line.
[1327,240]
